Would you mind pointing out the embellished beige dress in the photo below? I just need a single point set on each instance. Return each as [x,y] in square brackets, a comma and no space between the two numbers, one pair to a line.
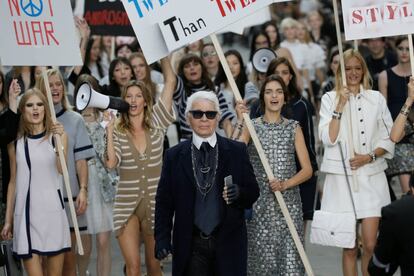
[140,173]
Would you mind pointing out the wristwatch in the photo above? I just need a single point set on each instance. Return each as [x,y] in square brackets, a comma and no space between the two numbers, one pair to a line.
[373,156]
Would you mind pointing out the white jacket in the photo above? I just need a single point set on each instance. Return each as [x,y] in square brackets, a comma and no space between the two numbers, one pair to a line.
[371,126]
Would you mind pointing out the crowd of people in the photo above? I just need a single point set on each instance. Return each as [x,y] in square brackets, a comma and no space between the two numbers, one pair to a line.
[178,172]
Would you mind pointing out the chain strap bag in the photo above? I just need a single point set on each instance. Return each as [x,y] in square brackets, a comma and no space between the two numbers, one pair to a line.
[335,229]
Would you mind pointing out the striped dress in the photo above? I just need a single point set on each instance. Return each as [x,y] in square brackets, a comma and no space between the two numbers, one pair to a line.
[139,174]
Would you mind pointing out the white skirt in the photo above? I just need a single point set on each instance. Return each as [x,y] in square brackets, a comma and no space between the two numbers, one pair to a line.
[372,195]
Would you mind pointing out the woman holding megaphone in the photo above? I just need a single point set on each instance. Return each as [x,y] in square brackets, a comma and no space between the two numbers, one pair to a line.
[135,146]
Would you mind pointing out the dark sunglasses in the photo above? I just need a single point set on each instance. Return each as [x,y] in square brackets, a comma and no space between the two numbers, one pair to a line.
[198,114]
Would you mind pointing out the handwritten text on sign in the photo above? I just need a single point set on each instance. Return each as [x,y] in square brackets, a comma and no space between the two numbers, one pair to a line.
[37,32]
[184,29]
[200,17]
[367,19]
[180,27]
[32,32]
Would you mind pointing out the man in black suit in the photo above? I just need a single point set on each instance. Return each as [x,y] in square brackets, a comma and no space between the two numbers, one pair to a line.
[209,230]
[395,244]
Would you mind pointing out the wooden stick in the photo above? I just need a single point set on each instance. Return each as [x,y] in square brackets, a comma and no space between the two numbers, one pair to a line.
[356,45]
[347,106]
[63,164]
[410,45]
[263,157]
[112,48]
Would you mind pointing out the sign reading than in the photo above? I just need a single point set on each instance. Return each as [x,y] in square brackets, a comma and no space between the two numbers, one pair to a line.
[180,27]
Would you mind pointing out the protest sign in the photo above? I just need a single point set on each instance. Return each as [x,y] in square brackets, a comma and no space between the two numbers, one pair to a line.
[38,32]
[256,18]
[377,18]
[107,18]
[180,27]
[201,17]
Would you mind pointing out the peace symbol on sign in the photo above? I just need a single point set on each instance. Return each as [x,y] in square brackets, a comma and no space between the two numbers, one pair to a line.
[32,8]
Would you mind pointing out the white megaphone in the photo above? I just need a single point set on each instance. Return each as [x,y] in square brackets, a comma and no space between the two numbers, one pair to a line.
[262,58]
[87,97]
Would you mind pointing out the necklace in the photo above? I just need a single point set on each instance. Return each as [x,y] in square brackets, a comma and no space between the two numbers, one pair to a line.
[209,180]
[205,170]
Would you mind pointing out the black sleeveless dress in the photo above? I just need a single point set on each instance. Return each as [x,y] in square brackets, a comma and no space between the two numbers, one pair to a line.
[403,161]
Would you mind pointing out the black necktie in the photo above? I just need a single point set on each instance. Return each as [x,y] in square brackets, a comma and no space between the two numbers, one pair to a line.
[204,150]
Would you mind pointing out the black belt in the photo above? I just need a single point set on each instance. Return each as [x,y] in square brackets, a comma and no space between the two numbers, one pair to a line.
[198,233]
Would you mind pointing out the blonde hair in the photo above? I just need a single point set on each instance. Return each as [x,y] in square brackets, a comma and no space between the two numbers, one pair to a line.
[366,78]
[124,122]
[40,84]
[307,39]
[288,22]
[25,127]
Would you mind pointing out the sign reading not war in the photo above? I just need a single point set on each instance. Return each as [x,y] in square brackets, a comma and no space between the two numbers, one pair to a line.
[38,32]
[377,18]
[179,22]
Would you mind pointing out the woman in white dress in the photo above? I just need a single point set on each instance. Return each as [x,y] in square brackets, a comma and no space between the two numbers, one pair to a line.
[370,127]
[35,210]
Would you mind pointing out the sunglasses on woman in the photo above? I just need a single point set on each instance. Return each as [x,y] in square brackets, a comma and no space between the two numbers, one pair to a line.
[198,114]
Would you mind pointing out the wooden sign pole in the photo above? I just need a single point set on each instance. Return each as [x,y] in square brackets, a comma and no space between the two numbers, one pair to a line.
[410,45]
[63,164]
[347,107]
[113,48]
[263,157]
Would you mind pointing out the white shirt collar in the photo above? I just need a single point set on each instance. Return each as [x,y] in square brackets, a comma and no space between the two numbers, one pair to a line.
[197,140]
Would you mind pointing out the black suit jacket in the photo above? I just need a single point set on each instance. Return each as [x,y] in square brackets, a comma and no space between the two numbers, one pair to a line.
[175,199]
[395,244]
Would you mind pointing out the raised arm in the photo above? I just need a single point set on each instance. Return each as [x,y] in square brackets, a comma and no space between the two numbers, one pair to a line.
[170,83]
[85,32]
[335,123]
[240,132]
[397,131]
[111,160]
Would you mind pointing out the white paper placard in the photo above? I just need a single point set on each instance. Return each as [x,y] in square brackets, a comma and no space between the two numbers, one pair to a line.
[377,18]
[189,21]
[145,15]
[38,32]
[256,18]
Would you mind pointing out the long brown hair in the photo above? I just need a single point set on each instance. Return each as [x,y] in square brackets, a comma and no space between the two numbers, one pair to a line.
[124,122]
[366,78]
[205,78]
[24,126]
[293,90]
[40,84]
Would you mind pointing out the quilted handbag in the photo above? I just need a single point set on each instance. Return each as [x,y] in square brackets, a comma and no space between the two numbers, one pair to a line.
[335,229]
